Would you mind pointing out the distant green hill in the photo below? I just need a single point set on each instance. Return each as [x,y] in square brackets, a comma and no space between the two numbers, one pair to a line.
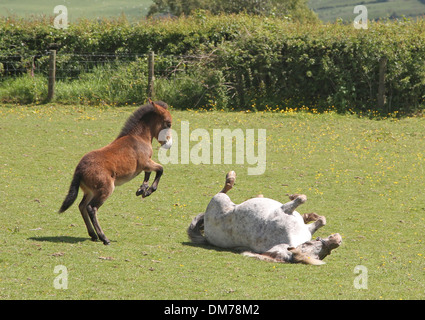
[330,10]
[76,8]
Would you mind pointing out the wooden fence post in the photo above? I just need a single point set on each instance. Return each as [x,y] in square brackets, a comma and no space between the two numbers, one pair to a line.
[151,75]
[381,88]
[52,75]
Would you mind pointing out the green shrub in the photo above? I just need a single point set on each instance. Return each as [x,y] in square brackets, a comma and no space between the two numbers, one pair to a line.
[24,89]
[113,83]
[297,10]
[242,61]
[204,88]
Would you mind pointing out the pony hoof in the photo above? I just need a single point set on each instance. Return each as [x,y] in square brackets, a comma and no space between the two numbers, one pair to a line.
[106,242]
[322,220]
[142,191]
[231,178]
[147,194]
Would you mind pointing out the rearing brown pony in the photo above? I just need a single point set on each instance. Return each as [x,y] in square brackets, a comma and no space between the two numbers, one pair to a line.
[99,171]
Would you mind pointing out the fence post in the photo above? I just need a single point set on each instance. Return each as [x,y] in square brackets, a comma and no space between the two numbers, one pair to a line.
[52,75]
[151,75]
[381,88]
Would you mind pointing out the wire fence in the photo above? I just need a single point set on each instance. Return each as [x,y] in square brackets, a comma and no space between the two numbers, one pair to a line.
[201,78]
[73,66]
[119,78]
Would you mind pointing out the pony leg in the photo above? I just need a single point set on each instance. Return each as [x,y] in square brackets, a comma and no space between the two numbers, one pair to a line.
[297,199]
[321,221]
[93,217]
[290,207]
[284,254]
[299,256]
[230,181]
[83,209]
[278,253]
[155,183]
[145,186]
[153,166]
[94,206]
[310,217]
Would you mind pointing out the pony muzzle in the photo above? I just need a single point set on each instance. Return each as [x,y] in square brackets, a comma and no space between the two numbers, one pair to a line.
[165,139]
[167,144]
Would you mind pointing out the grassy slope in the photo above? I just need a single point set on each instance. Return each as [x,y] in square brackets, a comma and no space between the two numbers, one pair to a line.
[77,8]
[367,177]
[330,10]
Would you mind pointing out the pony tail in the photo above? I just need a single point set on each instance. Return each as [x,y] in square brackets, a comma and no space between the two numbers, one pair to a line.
[195,230]
[72,193]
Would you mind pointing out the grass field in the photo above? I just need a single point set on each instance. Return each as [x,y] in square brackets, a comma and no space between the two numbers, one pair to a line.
[330,10]
[366,176]
[133,9]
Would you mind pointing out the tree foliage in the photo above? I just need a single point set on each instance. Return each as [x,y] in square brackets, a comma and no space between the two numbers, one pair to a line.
[293,9]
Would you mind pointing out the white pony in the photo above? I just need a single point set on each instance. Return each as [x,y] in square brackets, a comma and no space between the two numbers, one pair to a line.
[269,229]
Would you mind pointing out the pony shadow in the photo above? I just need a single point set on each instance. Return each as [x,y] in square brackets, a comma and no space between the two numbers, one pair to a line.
[60,239]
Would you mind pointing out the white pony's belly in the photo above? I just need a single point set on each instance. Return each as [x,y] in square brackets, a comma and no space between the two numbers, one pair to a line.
[257,224]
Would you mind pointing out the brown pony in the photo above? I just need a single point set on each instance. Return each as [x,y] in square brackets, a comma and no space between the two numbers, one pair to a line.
[99,171]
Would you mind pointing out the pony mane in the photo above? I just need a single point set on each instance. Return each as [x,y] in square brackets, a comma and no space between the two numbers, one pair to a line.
[137,116]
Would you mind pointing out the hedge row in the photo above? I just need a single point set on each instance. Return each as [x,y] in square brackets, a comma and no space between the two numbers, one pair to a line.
[248,60]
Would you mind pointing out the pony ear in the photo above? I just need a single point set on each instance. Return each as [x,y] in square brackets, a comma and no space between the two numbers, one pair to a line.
[155,105]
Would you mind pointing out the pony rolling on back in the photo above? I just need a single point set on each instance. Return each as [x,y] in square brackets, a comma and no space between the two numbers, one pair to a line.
[268,229]
[99,171]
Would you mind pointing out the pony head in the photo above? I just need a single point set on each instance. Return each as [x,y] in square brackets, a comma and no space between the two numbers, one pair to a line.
[164,136]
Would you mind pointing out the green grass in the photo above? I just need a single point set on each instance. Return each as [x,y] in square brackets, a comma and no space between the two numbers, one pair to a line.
[366,176]
[77,8]
[330,10]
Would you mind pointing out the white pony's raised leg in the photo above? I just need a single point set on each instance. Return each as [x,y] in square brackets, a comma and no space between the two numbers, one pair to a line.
[317,224]
[290,206]
[230,181]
